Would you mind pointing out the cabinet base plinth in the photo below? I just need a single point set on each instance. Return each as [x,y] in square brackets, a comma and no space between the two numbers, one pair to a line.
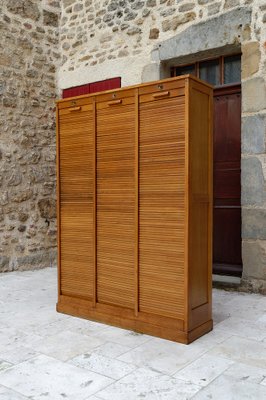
[172,332]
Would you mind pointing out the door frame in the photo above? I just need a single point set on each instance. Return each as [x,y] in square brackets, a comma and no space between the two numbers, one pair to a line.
[229,269]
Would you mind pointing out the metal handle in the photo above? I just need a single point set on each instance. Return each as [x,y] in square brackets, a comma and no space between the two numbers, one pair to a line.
[75,109]
[114,102]
[161,94]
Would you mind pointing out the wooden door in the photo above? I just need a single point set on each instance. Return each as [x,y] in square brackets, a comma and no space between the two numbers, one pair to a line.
[227,178]
[75,153]
[116,199]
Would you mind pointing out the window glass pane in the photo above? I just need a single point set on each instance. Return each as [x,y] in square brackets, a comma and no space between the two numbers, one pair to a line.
[232,69]
[187,69]
[210,71]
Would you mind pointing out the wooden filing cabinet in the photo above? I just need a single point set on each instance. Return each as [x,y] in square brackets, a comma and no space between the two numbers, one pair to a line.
[134,169]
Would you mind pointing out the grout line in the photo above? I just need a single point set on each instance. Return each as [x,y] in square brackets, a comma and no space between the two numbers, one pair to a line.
[15,391]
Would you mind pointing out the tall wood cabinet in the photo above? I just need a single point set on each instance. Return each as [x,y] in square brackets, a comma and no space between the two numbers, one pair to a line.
[134,170]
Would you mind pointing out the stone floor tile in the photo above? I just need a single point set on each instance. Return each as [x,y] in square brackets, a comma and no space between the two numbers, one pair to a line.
[9,394]
[11,338]
[4,364]
[86,327]
[246,306]
[242,350]
[106,366]
[226,388]
[72,324]
[123,336]
[28,319]
[244,328]
[244,372]
[46,378]
[146,384]
[262,319]
[18,355]
[212,338]
[204,370]
[163,355]
[93,398]
[112,350]
[65,345]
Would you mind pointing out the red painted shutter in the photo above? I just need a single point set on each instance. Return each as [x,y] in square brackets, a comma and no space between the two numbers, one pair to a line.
[108,84]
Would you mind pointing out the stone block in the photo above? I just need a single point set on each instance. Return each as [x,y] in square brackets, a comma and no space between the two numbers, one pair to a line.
[24,8]
[253,134]
[253,223]
[50,18]
[186,7]
[154,33]
[67,3]
[250,59]
[214,8]
[252,182]
[231,3]
[225,30]
[36,261]
[47,208]
[254,259]
[4,264]
[253,95]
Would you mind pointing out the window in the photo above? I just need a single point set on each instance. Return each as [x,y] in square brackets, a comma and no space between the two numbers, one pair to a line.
[232,69]
[218,71]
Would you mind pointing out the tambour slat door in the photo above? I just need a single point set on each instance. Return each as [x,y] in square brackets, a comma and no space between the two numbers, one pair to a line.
[115,199]
[162,201]
[76,182]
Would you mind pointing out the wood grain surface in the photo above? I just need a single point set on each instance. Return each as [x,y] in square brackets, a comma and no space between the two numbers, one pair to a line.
[135,207]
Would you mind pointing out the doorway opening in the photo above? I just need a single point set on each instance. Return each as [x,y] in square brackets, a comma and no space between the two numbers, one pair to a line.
[224,73]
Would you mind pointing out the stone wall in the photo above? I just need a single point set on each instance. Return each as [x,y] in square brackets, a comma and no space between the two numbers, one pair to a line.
[103,38]
[139,40]
[28,61]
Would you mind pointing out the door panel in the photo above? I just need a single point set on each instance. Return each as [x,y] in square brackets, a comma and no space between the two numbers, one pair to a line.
[76,200]
[162,206]
[227,178]
[116,202]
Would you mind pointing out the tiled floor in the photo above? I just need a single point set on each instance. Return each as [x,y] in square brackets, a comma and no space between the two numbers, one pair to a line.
[46,355]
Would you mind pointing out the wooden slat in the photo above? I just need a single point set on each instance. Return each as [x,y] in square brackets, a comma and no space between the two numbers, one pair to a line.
[76,202]
[76,161]
[136,266]
[94,233]
[77,249]
[116,204]
[162,207]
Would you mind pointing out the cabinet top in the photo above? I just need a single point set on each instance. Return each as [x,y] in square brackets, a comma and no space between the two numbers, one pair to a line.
[143,87]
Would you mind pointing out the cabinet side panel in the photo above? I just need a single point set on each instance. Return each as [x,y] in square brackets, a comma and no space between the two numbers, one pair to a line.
[76,201]
[200,231]
[162,207]
[116,204]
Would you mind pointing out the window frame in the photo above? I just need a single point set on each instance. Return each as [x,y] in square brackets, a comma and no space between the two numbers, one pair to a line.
[197,67]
